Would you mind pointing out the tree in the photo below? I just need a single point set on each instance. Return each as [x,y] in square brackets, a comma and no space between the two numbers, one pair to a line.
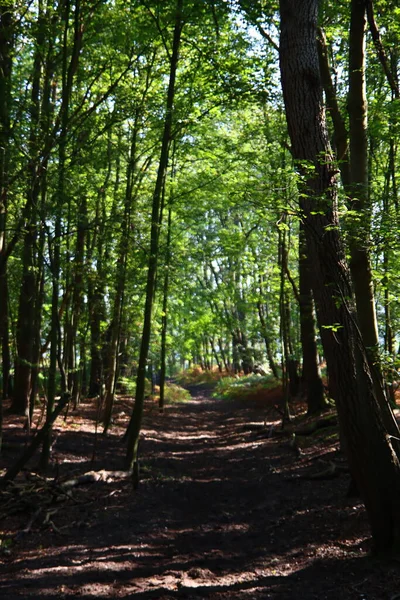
[136,419]
[371,451]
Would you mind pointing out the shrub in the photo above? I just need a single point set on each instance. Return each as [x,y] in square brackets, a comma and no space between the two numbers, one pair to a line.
[196,375]
[243,387]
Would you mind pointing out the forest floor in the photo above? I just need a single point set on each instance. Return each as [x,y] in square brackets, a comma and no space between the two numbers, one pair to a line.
[225,509]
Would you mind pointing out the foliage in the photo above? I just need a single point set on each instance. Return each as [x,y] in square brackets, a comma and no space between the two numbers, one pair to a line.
[244,387]
[195,375]
[174,393]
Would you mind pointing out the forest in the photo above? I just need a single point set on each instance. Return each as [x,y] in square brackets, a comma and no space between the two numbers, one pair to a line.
[199,205]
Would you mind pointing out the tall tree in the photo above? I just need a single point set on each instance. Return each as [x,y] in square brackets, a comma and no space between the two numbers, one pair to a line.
[371,451]
[6,45]
[28,291]
[136,419]
[69,67]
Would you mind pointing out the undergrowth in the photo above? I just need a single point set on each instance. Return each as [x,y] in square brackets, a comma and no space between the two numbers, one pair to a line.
[196,375]
[173,392]
[245,386]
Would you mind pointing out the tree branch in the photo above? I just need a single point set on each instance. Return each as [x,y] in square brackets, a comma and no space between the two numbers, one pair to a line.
[380,49]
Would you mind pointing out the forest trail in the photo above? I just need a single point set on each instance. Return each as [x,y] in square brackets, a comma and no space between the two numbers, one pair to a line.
[222,512]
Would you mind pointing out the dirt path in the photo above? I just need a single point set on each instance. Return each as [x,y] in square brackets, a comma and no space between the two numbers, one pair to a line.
[222,511]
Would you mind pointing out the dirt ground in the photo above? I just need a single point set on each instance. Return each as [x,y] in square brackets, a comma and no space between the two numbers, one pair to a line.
[225,509]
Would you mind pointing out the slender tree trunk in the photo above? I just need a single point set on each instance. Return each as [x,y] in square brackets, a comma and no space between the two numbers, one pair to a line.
[215,353]
[6,45]
[360,232]
[76,304]
[353,164]
[68,71]
[46,139]
[284,326]
[311,375]
[164,320]
[115,326]
[371,451]
[264,331]
[134,427]
[37,325]
[389,212]
[96,314]
[225,358]
[5,336]
[96,292]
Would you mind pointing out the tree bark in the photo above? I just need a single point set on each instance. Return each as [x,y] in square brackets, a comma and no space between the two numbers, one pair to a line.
[371,451]
[6,45]
[353,164]
[28,291]
[360,266]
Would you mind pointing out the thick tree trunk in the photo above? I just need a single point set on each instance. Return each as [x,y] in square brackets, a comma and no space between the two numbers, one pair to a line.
[372,458]
[25,327]
[27,297]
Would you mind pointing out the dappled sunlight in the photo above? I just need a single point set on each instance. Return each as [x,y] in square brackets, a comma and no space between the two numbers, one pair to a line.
[222,511]
[188,437]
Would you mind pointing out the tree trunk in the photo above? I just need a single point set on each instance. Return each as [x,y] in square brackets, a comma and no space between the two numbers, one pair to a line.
[134,427]
[96,292]
[6,45]
[372,458]
[68,71]
[164,320]
[352,157]
[360,266]
[284,325]
[76,304]
[264,330]
[37,325]
[311,376]
[26,313]
[115,326]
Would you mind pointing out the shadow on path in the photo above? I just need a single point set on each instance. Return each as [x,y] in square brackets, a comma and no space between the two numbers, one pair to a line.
[221,512]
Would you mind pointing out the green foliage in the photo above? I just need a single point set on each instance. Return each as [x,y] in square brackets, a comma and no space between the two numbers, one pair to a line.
[127,385]
[229,184]
[174,393]
[244,387]
[196,375]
